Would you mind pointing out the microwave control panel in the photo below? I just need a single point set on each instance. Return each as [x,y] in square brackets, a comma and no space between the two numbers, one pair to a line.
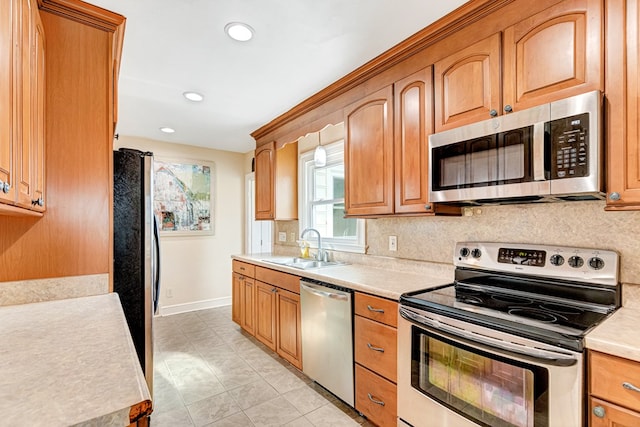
[569,138]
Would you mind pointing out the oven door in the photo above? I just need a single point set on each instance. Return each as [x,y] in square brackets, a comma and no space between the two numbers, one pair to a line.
[498,158]
[458,374]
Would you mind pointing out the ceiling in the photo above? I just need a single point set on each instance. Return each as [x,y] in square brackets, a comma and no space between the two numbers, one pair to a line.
[299,48]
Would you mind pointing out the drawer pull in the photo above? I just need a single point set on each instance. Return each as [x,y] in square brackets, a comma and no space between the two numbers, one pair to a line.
[377,402]
[375,310]
[630,386]
[381,350]
[599,412]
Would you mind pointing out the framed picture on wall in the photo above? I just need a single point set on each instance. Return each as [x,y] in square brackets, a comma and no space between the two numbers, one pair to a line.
[183,196]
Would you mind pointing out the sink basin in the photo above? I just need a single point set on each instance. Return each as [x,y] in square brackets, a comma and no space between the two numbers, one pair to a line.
[302,263]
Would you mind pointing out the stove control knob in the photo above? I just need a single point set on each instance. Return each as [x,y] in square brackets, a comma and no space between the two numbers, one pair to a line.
[557,260]
[576,261]
[596,263]
[464,252]
[476,253]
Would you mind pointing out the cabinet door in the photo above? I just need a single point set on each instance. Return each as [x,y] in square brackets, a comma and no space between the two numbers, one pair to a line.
[554,54]
[413,112]
[623,104]
[368,155]
[265,194]
[288,325]
[605,414]
[8,119]
[467,84]
[37,112]
[236,298]
[265,314]
[248,307]
[27,143]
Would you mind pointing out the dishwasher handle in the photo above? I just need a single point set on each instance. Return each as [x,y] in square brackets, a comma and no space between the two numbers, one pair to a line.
[313,289]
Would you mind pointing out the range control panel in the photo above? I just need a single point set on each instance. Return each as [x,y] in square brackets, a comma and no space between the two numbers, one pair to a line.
[560,262]
[532,257]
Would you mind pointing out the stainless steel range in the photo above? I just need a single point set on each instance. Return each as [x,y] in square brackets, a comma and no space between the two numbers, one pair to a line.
[503,344]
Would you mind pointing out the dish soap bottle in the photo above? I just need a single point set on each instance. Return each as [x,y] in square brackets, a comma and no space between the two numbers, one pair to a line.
[304,248]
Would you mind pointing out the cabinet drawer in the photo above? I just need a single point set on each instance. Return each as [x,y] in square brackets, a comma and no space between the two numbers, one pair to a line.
[613,415]
[244,268]
[606,376]
[376,308]
[376,347]
[373,390]
[278,278]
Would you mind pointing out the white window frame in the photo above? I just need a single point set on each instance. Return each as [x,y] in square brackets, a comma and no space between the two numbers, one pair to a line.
[335,154]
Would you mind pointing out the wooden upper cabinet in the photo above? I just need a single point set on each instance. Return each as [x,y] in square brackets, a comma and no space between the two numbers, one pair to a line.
[368,154]
[554,54]
[277,182]
[467,84]
[413,97]
[265,162]
[8,117]
[623,104]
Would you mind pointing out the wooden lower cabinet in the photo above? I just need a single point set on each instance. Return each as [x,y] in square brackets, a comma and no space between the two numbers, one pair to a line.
[288,321]
[376,397]
[267,305]
[612,415]
[266,309]
[611,403]
[375,354]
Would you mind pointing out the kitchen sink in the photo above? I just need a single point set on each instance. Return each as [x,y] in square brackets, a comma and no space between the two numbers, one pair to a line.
[302,263]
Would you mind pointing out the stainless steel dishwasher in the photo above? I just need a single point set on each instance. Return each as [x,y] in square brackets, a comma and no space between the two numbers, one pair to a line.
[327,337]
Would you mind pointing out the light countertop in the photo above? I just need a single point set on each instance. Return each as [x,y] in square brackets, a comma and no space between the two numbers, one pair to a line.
[618,335]
[373,280]
[69,362]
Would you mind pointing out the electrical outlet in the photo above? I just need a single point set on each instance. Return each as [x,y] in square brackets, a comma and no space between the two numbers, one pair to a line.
[393,243]
[282,236]
[293,236]
[169,293]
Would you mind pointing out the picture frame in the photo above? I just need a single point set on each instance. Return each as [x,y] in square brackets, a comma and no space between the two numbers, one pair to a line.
[183,196]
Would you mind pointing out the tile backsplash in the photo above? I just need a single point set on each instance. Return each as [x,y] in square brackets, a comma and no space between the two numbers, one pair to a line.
[580,224]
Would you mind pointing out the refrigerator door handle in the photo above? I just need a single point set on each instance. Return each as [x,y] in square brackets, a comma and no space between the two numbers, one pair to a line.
[156,269]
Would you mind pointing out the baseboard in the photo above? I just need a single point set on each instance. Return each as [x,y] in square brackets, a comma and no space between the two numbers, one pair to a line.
[194,306]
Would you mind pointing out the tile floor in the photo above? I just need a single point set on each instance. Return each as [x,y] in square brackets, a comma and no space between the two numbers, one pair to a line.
[208,372]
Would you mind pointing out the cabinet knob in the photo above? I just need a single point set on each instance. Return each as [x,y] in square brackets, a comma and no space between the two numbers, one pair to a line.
[493,113]
[5,187]
[508,108]
[599,412]
[38,202]
[614,196]
[274,290]
[427,207]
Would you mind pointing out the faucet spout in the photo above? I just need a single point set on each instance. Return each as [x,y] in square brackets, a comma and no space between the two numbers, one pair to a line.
[320,254]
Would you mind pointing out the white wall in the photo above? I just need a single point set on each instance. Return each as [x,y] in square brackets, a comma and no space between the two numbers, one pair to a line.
[196,271]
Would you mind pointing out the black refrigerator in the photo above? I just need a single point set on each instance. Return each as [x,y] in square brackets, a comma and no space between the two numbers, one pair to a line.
[136,252]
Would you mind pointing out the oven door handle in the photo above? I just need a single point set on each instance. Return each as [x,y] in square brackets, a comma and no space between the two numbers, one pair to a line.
[548,356]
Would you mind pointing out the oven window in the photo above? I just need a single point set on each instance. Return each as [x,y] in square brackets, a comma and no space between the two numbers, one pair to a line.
[490,390]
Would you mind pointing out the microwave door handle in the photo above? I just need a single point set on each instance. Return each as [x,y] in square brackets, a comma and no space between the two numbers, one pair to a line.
[538,152]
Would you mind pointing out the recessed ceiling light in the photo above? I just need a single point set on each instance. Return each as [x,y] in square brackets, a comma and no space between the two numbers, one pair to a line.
[239,31]
[167,130]
[193,96]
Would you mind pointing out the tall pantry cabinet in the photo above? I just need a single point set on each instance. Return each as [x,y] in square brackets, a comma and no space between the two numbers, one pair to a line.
[81,57]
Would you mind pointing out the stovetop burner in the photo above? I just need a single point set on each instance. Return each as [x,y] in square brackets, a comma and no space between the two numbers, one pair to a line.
[548,301]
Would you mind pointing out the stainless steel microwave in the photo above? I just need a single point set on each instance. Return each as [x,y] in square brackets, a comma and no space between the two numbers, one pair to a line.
[549,152]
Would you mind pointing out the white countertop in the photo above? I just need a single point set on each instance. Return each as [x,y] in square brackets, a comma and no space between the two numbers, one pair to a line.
[376,281]
[68,362]
[618,335]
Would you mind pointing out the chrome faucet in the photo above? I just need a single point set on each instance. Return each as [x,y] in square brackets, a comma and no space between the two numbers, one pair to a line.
[320,256]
